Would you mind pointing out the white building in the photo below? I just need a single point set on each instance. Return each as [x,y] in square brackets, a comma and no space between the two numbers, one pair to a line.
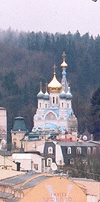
[55,107]
[3,127]
[30,162]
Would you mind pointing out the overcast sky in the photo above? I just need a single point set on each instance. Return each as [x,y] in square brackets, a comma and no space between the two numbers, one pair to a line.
[51,16]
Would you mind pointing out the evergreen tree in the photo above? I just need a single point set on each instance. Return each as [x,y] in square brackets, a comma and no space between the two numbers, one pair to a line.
[95,114]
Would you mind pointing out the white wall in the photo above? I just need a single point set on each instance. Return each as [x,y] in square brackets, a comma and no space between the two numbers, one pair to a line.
[3,121]
[59,155]
[92,198]
[28,161]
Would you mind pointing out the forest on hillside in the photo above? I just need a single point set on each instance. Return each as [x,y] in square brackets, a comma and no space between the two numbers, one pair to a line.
[26,58]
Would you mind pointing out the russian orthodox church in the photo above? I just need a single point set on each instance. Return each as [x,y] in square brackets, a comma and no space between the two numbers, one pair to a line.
[55,105]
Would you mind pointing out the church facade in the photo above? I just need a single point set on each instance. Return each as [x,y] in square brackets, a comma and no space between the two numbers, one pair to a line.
[55,105]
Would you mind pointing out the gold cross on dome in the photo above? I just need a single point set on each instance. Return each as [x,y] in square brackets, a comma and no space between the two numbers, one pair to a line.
[64,55]
[54,67]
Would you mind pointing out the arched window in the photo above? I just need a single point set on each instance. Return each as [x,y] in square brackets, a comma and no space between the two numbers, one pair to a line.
[78,150]
[21,195]
[56,100]
[72,161]
[94,150]
[50,150]
[89,150]
[49,162]
[53,100]
[69,150]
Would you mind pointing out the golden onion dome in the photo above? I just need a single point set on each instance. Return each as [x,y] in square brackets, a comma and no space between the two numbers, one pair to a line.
[64,64]
[54,85]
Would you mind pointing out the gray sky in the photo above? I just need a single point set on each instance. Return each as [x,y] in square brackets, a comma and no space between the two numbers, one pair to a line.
[51,15]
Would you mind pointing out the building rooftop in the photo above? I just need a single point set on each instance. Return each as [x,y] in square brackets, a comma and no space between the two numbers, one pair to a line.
[7,174]
[41,186]
[14,180]
[19,124]
[76,144]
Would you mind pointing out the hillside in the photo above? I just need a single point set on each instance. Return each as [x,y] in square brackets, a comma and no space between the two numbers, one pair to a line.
[27,58]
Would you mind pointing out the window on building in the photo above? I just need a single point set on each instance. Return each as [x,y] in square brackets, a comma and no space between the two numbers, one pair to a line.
[40,105]
[56,100]
[18,194]
[50,150]
[89,150]
[72,161]
[22,145]
[60,162]
[69,150]
[94,150]
[21,195]
[78,150]
[49,162]
[53,100]
[68,106]
[62,104]
[45,105]
[36,166]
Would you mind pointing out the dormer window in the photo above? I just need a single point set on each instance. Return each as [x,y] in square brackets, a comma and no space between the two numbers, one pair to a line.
[94,150]
[78,150]
[69,150]
[88,150]
[50,150]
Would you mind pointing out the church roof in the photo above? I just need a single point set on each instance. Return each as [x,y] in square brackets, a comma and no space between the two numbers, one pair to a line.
[46,95]
[54,83]
[40,94]
[63,94]
[64,64]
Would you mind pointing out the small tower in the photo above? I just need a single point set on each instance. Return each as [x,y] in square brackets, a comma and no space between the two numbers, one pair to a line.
[40,97]
[64,79]
[46,98]
[18,131]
